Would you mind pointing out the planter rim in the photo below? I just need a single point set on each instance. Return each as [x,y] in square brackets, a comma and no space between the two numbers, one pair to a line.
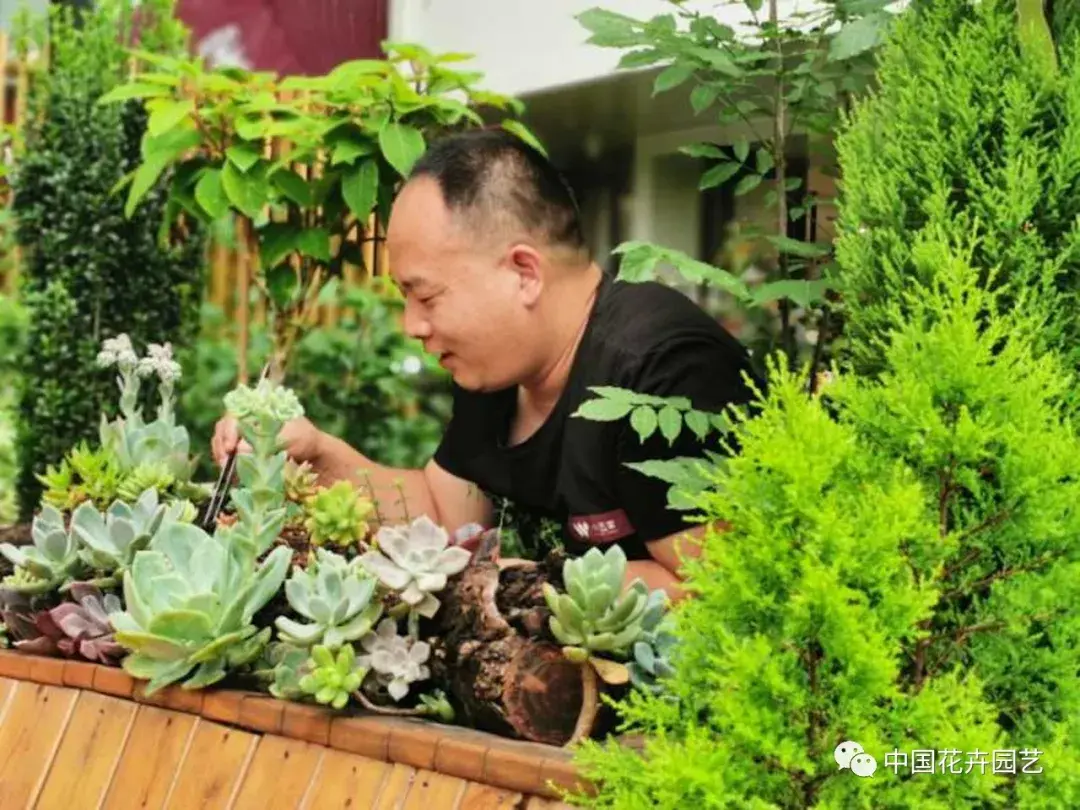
[525,767]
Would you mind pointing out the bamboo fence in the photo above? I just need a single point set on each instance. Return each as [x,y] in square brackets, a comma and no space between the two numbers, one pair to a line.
[231,261]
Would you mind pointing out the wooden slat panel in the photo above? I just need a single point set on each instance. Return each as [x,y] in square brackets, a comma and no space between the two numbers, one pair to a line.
[153,753]
[435,791]
[395,788]
[485,797]
[7,686]
[347,780]
[29,737]
[215,764]
[89,752]
[279,775]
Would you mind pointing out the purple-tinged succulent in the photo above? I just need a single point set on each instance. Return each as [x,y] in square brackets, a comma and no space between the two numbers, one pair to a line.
[79,629]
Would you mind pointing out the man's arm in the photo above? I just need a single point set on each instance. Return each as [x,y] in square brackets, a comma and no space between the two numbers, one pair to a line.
[663,571]
[402,494]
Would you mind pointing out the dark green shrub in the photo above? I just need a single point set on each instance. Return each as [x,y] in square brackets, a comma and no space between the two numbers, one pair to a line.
[89,272]
[964,136]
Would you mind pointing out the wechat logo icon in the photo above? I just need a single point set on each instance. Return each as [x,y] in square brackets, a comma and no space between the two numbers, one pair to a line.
[850,755]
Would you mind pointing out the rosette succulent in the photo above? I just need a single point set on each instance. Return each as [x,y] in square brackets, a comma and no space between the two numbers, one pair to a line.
[416,560]
[109,541]
[652,660]
[52,559]
[77,629]
[597,614]
[337,515]
[398,661]
[335,596]
[332,680]
[190,604]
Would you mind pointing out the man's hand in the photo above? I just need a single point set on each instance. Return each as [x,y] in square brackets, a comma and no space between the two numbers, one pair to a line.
[300,437]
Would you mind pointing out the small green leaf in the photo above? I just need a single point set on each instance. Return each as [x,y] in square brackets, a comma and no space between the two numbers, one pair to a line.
[124,92]
[315,242]
[857,37]
[609,29]
[698,422]
[802,292]
[644,421]
[520,130]
[754,5]
[245,191]
[402,145]
[603,410]
[742,150]
[640,58]
[671,77]
[718,175]
[347,151]
[360,188]
[747,184]
[702,97]
[792,183]
[697,150]
[244,155]
[210,195]
[765,160]
[145,177]
[670,423]
[168,115]
[797,247]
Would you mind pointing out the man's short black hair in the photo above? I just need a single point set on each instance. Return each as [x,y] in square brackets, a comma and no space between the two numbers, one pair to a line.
[488,172]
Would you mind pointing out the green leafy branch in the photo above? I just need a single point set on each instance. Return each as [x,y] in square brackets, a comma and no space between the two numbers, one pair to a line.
[650,413]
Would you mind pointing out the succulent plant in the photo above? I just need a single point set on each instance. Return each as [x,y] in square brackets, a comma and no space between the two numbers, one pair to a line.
[280,667]
[332,680]
[337,515]
[190,602]
[417,561]
[301,482]
[4,641]
[151,475]
[110,541]
[53,558]
[336,596]
[397,661]
[597,614]
[83,475]
[652,660]
[78,629]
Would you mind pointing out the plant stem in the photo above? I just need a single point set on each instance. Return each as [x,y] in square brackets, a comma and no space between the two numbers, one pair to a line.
[787,333]
[590,704]
[362,699]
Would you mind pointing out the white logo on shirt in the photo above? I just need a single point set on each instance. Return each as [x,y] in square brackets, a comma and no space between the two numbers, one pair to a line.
[582,528]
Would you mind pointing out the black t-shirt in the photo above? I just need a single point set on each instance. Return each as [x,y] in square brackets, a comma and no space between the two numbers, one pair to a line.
[645,337]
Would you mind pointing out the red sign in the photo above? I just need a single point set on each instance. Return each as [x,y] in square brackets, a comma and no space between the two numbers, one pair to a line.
[606,527]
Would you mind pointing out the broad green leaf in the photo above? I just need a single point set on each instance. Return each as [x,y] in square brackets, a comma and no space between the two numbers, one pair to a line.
[348,150]
[671,77]
[603,410]
[315,242]
[169,115]
[747,184]
[293,186]
[520,130]
[611,30]
[210,195]
[802,292]
[641,58]
[170,144]
[276,241]
[719,60]
[245,191]
[702,97]
[402,145]
[742,150]
[718,175]
[703,150]
[671,471]
[644,421]
[145,178]
[698,422]
[765,160]
[124,92]
[754,5]
[360,187]
[857,37]
[796,247]
[792,183]
[670,423]
[244,155]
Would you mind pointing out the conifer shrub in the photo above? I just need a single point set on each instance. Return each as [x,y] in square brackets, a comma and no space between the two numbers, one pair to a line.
[902,571]
[89,272]
[966,133]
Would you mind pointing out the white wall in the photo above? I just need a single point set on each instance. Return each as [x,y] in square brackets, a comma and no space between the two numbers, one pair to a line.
[528,45]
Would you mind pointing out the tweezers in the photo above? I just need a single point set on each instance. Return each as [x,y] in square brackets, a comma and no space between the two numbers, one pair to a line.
[224,482]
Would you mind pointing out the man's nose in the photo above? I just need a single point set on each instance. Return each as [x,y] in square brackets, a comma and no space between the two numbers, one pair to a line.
[415,324]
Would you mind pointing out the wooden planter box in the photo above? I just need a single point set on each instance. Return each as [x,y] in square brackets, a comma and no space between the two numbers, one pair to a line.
[75,735]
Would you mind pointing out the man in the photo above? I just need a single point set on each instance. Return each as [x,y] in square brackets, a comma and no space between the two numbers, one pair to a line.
[486,243]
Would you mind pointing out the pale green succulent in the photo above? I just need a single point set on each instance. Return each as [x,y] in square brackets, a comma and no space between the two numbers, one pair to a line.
[652,661]
[416,560]
[153,475]
[597,614]
[109,541]
[337,515]
[190,603]
[52,559]
[332,680]
[266,404]
[336,596]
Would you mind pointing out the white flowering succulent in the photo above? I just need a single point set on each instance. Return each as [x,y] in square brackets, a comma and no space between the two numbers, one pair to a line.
[396,660]
[416,560]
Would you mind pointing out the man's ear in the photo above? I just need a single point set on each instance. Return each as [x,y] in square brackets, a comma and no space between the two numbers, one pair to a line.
[526,261]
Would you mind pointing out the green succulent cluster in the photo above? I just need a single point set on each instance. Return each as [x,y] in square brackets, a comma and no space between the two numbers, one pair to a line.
[596,614]
[336,597]
[653,656]
[332,680]
[337,515]
[51,560]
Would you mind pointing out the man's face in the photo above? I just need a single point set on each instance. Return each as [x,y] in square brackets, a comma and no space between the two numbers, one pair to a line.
[465,296]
